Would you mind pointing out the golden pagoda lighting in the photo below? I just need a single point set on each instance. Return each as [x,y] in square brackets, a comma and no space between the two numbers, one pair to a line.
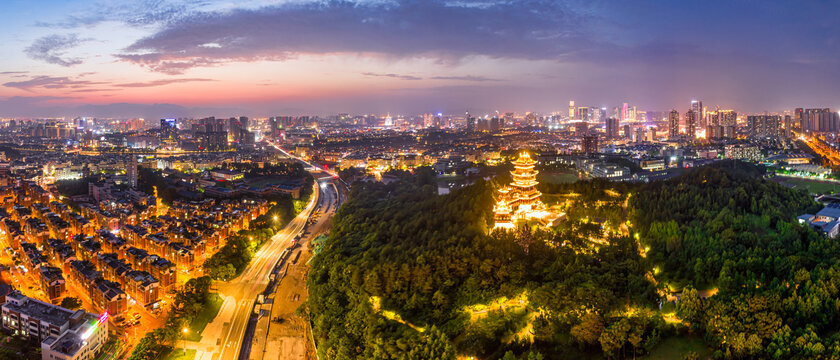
[520,200]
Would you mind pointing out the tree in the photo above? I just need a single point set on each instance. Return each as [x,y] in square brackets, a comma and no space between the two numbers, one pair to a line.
[691,308]
[72,303]
[589,329]
[614,337]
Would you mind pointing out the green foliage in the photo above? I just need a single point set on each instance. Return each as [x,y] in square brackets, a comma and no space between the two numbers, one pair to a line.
[72,303]
[188,304]
[427,257]
[728,227]
[234,256]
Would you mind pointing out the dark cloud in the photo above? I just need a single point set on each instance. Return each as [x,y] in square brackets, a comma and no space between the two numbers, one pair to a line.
[53,49]
[161,82]
[13,72]
[394,76]
[426,28]
[51,82]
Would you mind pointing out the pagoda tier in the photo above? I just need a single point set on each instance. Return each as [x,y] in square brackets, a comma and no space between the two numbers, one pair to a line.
[520,200]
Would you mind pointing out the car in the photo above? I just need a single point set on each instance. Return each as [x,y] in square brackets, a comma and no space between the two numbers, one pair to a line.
[137,316]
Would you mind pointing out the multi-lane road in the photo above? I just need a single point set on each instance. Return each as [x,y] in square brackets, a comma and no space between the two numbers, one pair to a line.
[223,338]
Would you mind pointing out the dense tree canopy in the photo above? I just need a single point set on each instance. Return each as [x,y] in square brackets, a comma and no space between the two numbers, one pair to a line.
[409,274]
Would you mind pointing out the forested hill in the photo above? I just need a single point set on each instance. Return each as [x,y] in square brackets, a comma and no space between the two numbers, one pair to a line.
[407,274]
[697,222]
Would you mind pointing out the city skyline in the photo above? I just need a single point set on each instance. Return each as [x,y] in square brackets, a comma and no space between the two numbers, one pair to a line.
[261,58]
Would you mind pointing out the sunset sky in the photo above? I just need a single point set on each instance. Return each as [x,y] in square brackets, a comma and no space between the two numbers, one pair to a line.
[261,57]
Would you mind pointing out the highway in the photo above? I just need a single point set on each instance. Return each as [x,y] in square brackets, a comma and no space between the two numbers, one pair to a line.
[222,339]
[241,292]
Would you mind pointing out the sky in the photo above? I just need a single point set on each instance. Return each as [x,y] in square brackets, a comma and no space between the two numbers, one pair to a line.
[157,58]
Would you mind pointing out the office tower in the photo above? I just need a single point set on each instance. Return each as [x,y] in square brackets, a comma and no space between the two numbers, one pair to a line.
[470,122]
[788,127]
[169,132]
[697,106]
[623,113]
[612,128]
[627,133]
[131,171]
[691,124]
[589,144]
[583,113]
[602,114]
[631,113]
[673,124]
[571,110]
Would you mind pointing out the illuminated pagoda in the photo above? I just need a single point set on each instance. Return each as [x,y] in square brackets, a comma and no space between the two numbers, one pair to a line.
[520,200]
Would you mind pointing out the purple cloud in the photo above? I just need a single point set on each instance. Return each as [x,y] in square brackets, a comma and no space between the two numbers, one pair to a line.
[429,28]
[53,48]
[161,82]
[394,76]
[51,82]
[465,78]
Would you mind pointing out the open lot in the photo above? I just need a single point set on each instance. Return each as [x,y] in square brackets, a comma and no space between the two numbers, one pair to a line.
[558,177]
[812,186]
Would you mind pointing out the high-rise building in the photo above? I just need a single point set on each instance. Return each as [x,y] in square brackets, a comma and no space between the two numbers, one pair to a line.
[584,114]
[788,127]
[238,130]
[691,124]
[697,106]
[627,133]
[612,128]
[571,109]
[673,124]
[581,129]
[589,144]
[209,134]
[602,114]
[470,122]
[797,118]
[131,171]
[726,117]
[623,114]
[819,120]
[169,132]
[764,127]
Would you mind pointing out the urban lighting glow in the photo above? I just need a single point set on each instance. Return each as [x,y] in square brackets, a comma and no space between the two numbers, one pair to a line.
[94,326]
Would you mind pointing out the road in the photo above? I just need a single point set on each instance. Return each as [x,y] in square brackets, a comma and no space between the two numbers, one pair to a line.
[223,338]
[279,333]
[820,147]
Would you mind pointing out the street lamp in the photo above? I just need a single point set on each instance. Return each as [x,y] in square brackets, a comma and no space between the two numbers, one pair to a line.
[185,330]
[275,217]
